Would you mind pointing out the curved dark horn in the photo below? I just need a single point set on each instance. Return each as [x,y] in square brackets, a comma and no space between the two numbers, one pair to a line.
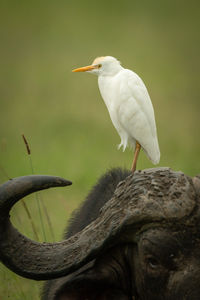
[15,249]
[153,195]
[17,188]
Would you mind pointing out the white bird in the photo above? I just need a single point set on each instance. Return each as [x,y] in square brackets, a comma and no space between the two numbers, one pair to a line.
[129,106]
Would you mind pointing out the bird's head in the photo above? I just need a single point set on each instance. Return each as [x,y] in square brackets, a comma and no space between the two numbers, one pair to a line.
[104,65]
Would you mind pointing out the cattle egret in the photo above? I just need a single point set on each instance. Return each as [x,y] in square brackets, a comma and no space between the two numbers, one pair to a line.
[129,106]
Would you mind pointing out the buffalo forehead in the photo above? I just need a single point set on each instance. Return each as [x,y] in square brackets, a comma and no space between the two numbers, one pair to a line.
[152,195]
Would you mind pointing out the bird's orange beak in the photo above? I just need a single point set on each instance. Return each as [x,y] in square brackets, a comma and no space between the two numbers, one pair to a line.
[84,69]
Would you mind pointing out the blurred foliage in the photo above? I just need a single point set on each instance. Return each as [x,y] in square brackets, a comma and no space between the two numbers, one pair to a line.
[62,114]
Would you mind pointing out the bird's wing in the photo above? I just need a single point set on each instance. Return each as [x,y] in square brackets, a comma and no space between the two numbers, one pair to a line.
[136,113]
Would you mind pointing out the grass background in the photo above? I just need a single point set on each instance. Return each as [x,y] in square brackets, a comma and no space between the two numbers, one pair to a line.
[62,114]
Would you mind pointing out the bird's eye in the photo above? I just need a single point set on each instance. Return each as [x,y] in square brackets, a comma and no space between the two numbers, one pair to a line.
[99,66]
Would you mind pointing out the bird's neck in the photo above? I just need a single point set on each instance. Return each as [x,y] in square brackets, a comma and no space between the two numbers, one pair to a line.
[107,89]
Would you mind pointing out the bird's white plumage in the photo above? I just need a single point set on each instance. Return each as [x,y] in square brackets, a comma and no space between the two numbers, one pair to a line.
[129,105]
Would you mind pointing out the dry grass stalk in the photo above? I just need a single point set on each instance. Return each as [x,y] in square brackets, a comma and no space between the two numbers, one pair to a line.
[37,196]
[26,144]
[30,219]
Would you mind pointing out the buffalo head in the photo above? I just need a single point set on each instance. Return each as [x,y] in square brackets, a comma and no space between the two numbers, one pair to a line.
[143,243]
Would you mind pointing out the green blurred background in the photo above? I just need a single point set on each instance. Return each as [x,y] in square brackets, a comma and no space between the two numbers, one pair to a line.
[62,114]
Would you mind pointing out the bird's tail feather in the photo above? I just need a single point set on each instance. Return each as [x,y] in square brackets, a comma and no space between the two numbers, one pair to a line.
[154,153]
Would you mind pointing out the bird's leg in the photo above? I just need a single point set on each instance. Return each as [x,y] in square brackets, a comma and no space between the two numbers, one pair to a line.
[136,153]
